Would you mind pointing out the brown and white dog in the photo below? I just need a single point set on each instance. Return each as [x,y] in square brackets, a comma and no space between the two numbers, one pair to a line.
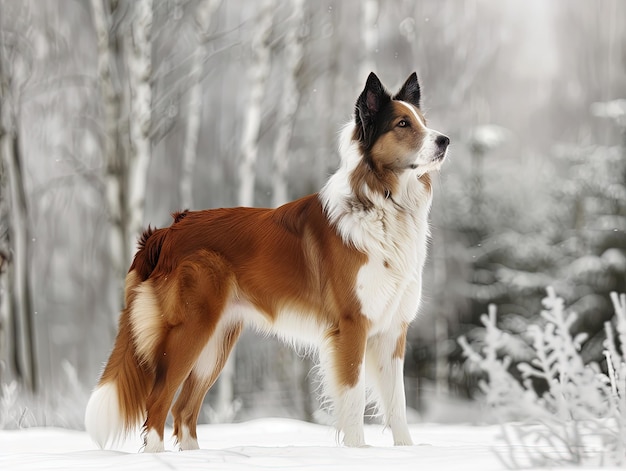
[340,271]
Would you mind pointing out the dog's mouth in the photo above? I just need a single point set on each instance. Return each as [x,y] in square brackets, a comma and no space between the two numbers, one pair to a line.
[434,164]
[440,155]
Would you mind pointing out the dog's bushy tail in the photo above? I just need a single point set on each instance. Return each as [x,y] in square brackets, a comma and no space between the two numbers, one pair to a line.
[148,253]
[117,406]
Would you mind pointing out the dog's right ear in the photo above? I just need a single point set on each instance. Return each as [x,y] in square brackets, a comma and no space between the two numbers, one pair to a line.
[410,91]
[369,103]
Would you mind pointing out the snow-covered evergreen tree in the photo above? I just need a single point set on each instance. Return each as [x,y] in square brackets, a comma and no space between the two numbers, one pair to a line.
[573,237]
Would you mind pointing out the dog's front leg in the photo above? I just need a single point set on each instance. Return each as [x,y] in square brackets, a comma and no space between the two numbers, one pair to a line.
[385,365]
[350,407]
[343,365]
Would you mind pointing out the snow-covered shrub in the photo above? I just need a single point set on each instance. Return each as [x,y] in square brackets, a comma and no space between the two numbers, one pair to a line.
[62,406]
[581,416]
[8,400]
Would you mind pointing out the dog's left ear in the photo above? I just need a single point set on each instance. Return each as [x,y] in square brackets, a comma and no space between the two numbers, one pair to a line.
[410,91]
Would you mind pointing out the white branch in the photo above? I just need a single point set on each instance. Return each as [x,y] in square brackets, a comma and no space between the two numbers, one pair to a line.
[619,303]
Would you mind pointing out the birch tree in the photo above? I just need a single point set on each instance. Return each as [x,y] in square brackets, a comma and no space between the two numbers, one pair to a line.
[259,71]
[289,103]
[204,14]
[139,69]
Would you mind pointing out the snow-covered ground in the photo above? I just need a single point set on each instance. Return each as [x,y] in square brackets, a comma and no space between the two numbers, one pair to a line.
[270,444]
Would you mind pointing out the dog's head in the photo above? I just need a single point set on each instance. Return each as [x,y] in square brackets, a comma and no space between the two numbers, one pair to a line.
[392,131]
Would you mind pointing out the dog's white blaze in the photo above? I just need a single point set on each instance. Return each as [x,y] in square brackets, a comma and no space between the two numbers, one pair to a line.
[146,321]
[412,110]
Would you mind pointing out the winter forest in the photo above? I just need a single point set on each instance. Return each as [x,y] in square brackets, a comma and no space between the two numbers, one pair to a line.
[116,113]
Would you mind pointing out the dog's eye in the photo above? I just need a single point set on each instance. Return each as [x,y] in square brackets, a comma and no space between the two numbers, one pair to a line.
[403,123]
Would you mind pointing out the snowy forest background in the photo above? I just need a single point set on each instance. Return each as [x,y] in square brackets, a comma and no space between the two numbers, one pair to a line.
[115,113]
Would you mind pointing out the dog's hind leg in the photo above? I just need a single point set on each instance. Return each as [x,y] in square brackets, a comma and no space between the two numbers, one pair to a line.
[205,372]
[194,301]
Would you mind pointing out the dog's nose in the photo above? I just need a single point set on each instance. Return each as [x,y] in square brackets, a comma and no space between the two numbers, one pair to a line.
[442,141]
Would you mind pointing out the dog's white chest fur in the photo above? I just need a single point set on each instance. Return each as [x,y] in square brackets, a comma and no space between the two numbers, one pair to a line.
[389,284]
[393,234]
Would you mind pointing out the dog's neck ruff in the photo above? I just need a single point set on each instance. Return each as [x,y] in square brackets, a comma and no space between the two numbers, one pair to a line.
[363,226]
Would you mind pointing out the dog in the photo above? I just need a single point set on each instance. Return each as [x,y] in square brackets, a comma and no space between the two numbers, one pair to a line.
[339,271]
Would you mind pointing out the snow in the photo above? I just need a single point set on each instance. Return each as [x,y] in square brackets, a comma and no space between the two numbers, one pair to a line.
[614,109]
[264,444]
[488,136]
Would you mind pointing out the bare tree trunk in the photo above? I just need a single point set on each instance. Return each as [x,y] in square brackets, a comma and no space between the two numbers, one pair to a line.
[204,13]
[259,71]
[20,297]
[289,104]
[4,318]
[140,71]
[5,260]
[440,275]
[20,303]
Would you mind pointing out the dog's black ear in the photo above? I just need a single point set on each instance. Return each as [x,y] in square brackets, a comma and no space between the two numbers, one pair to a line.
[410,91]
[369,103]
